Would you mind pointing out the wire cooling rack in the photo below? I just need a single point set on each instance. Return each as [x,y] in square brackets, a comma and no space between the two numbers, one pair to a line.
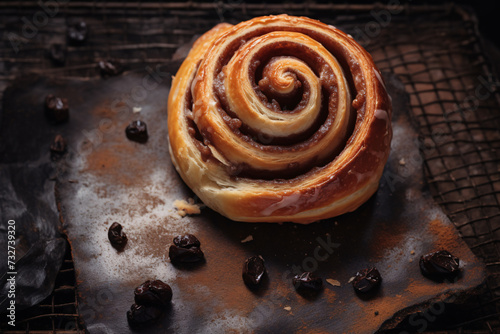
[435,50]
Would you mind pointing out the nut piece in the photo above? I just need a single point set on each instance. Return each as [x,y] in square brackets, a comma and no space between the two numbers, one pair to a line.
[187,208]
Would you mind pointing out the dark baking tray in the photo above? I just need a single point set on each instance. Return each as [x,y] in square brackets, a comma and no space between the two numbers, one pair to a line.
[105,178]
[414,35]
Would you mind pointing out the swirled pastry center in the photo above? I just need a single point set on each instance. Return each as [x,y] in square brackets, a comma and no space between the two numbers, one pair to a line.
[280,106]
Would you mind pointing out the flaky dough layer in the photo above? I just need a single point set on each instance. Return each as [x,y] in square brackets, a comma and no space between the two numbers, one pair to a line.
[278,119]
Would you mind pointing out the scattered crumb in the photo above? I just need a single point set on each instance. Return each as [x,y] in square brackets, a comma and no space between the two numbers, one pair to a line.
[411,260]
[287,308]
[412,252]
[350,280]
[136,109]
[247,239]
[187,208]
[402,161]
[333,282]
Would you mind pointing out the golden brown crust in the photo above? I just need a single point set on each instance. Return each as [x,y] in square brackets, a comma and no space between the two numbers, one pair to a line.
[279,118]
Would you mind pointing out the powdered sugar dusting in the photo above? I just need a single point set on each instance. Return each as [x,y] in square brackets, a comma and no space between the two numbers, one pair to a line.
[146,218]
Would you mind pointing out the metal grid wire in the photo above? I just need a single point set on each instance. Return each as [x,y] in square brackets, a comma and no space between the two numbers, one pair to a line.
[436,52]
[58,313]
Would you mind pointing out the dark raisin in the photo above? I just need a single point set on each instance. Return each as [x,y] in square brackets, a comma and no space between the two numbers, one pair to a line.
[186,241]
[58,146]
[186,249]
[309,281]
[143,315]
[137,131]
[57,54]
[439,265]
[110,68]
[367,280]
[253,270]
[153,293]
[185,255]
[56,108]
[116,236]
[78,33]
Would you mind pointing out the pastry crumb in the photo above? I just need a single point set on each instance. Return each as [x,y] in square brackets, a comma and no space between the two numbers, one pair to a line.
[187,208]
[333,282]
[136,109]
[402,162]
[287,308]
[412,252]
[247,239]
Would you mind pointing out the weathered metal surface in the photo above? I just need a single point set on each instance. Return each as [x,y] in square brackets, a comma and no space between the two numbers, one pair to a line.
[106,178]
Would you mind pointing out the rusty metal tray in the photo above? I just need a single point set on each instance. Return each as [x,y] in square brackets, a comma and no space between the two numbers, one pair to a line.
[436,53]
[106,178]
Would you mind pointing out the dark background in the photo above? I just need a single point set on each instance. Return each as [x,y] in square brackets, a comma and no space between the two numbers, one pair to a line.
[486,13]
[488,19]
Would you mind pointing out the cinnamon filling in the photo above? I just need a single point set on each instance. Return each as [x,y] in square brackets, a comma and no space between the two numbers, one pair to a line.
[293,101]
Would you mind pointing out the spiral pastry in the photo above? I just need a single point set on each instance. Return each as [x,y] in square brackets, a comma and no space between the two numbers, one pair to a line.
[278,119]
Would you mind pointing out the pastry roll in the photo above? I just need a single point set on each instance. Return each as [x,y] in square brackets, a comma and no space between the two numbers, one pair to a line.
[279,119]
